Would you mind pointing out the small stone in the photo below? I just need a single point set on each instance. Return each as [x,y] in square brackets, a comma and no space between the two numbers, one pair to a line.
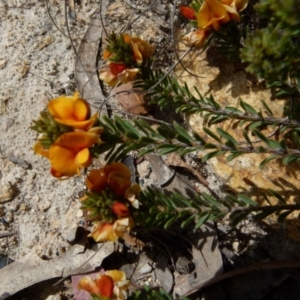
[146,268]
[79,213]
[24,207]
[9,216]
[2,63]
[7,192]
[236,246]
[45,205]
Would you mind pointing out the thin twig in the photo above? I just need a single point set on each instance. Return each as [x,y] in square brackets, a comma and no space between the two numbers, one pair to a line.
[6,234]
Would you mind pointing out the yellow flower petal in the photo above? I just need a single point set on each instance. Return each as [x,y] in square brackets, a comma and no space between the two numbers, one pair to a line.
[141,49]
[88,284]
[116,275]
[104,232]
[131,193]
[83,158]
[38,149]
[128,75]
[61,107]
[96,180]
[212,13]
[196,38]
[72,111]
[97,130]
[77,140]
[127,38]
[118,177]
[108,77]
[123,225]
[241,4]
[63,161]
[70,152]
[81,110]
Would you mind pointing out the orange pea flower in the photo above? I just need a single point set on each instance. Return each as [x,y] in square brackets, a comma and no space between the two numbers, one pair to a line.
[212,13]
[122,226]
[233,8]
[88,284]
[110,285]
[118,177]
[72,111]
[131,193]
[69,153]
[141,49]
[120,209]
[196,38]
[106,285]
[187,12]
[107,231]
[128,75]
[104,232]
[117,68]
[125,76]
[96,180]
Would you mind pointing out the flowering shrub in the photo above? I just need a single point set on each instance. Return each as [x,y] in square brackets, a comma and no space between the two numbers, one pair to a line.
[108,202]
[67,132]
[112,285]
[126,55]
[210,15]
[70,136]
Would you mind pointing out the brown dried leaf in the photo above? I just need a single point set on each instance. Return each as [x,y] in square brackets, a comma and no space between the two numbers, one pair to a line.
[22,274]
[132,102]
[174,159]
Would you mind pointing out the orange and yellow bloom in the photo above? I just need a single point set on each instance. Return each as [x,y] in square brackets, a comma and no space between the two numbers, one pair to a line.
[127,67]
[69,150]
[211,15]
[69,153]
[112,285]
[111,185]
[72,111]
[108,231]
[116,175]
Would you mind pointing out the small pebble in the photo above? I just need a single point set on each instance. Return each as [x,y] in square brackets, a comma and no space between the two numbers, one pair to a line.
[146,268]
[24,207]
[7,192]
[79,213]
[9,216]
[236,246]
[45,205]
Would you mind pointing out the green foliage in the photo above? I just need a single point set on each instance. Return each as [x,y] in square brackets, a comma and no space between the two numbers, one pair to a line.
[273,52]
[164,210]
[48,129]
[120,50]
[228,41]
[98,205]
[165,90]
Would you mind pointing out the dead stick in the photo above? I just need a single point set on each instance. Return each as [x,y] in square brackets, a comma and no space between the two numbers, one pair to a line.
[6,234]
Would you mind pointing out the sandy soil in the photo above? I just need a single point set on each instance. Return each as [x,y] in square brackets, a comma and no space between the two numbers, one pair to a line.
[36,64]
